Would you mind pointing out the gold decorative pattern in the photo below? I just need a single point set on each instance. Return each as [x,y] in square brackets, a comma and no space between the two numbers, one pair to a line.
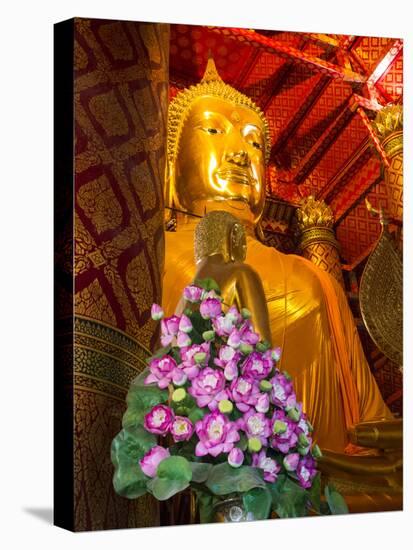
[318,243]
[381,298]
[389,128]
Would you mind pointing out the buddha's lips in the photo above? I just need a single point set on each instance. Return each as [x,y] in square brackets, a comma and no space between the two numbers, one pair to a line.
[235,175]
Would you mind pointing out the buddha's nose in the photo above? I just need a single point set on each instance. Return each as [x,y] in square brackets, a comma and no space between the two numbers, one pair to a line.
[240,158]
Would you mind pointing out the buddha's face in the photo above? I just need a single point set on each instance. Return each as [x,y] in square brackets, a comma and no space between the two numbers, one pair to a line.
[220,163]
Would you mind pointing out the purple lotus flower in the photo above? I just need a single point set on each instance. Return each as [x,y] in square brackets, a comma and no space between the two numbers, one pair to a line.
[231,371]
[169,329]
[193,294]
[156,312]
[223,325]
[163,370]
[211,294]
[263,403]
[255,424]
[306,471]
[185,324]
[234,339]
[233,315]
[256,366]
[291,462]
[208,388]
[267,464]
[150,462]
[183,340]
[210,308]
[244,392]
[282,388]
[159,420]
[247,334]
[285,437]
[181,428]
[189,365]
[226,354]
[276,354]
[235,457]
[179,377]
[216,433]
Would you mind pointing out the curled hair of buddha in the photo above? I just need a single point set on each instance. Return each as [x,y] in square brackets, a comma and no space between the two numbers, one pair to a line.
[220,232]
[213,85]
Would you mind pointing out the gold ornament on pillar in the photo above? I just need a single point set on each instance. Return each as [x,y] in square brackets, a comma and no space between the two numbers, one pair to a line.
[389,128]
[317,238]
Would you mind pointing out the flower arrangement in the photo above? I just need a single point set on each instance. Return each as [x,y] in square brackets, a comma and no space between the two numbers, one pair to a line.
[212,411]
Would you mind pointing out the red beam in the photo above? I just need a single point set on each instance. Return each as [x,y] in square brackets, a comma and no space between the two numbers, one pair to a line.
[276,47]
[323,144]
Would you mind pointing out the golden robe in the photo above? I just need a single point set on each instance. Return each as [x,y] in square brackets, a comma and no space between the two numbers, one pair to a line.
[312,322]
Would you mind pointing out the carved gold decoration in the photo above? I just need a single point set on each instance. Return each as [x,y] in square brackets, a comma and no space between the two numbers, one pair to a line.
[318,243]
[211,85]
[389,120]
[314,213]
[381,297]
[389,128]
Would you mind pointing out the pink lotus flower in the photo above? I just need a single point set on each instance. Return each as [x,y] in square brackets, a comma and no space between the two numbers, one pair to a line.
[306,471]
[150,462]
[286,438]
[226,354]
[235,457]
[163,370]
[216,435]
[267,464]
[231,371]
[208,388]
[247,334]
[211,294]
[159,420]
[193,294]
[156,312]
[256,366]
[291,462]
[245,393]
[276,354]
[189,365]
[282,388]
[255,424]
[210,308]
[185,324]
[169,329]
[233,315]
[263,403]
[183,340]
[234,339]
[181,428]
[223,325]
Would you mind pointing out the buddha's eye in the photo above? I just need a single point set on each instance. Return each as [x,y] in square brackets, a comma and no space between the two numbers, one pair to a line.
[256,145]
[211,130]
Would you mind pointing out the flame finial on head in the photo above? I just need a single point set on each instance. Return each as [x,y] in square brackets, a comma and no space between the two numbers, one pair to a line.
[211,73]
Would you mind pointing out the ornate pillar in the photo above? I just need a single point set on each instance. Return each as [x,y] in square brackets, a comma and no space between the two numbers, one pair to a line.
[120,109]
[317,238]
[389,128]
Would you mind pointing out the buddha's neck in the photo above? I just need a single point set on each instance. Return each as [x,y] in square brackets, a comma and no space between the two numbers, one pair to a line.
[188,222]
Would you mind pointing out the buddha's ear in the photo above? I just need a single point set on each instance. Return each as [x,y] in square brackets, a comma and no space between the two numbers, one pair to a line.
[170,215]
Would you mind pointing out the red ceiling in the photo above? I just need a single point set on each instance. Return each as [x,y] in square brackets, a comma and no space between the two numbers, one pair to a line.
[305,84]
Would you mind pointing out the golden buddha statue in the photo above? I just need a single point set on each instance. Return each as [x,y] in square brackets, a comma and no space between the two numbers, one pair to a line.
[218,145]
